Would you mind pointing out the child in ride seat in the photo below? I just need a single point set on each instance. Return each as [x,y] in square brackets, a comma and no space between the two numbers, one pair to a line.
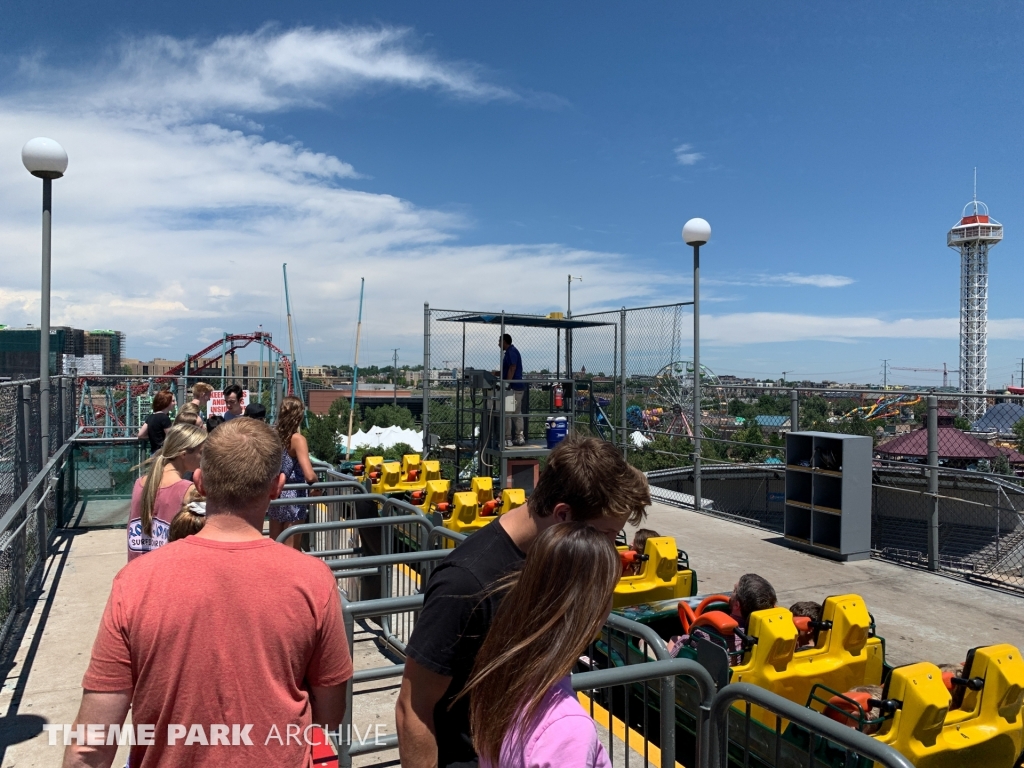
[875,692]
[812,611]
[639,544]
[751,593]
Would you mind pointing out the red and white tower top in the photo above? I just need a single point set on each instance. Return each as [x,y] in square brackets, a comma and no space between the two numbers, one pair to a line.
[975,226]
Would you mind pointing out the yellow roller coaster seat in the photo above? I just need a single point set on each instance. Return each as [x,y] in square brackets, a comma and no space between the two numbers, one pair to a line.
[465,517]
[512,498]
[390,478]
[482,488]
[411,462]
[432,470]
[846,656]
[435,492]
[659,579]
[986,730]
[371,464]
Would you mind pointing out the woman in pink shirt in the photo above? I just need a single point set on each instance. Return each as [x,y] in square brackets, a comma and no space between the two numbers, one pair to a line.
[523,712]
[156,498]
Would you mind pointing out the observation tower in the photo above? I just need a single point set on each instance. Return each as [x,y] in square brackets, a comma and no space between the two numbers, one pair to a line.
[972,237]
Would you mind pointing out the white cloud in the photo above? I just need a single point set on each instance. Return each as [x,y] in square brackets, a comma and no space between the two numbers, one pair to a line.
[263,71]
[174,217]
[686,156]
[818,281]
[788,279]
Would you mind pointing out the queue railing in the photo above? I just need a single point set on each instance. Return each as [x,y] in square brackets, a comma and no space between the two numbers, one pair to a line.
[819,730]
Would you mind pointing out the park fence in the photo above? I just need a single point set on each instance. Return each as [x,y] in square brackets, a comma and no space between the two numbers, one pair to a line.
[946,495]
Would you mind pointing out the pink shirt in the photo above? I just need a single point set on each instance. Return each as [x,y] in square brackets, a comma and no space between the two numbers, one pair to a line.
[562,736]
[167,505]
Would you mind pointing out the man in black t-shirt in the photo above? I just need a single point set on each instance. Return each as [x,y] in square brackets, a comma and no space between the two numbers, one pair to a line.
[585,479]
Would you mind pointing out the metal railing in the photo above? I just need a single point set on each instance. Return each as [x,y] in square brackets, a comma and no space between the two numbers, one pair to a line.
[817,726]
[26,531]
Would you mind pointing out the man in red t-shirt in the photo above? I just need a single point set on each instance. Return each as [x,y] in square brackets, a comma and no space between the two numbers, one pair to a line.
[226,645]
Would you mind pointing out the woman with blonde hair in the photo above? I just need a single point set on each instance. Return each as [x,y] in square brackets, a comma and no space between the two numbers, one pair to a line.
[295,466]
[523,712]
[157,497]
[189,414]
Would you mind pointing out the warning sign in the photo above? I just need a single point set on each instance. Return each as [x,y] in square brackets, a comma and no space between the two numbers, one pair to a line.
[216,406]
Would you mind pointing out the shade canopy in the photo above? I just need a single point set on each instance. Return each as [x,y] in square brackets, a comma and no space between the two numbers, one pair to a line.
[527,321]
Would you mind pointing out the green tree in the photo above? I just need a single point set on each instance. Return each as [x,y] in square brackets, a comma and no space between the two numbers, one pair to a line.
[389,416]
[1018,430]
[321,433]
[663,452]
[1001,465]
[812,409]
[961,423]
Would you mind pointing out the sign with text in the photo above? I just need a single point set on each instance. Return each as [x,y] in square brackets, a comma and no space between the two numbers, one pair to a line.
[216,406]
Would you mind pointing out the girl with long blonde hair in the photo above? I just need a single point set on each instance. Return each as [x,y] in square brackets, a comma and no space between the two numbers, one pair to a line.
[157,496]
[523,711]
[296,467]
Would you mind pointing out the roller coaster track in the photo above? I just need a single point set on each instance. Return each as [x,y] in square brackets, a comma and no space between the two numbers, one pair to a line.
[194,364]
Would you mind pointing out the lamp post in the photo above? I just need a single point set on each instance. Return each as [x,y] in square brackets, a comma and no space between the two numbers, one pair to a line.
[696,232]
[46,159]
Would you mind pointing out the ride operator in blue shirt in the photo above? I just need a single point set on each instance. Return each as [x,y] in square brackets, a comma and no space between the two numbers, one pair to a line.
[512,370]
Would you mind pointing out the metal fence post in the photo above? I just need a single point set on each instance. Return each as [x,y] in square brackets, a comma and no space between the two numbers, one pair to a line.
[26,431]
[278,389]
[425,417]
[182,390]
[622,378]
[794,411]
[933,482]
[42,525]
[668,723]
[19,546]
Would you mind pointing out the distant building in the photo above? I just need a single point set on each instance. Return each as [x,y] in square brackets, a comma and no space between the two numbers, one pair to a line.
[773,424]
[95,352]
[319,401]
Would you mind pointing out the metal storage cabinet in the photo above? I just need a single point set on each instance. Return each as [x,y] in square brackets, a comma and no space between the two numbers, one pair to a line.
[828,494]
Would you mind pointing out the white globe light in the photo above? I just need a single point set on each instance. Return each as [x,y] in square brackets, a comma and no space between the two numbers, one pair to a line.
[696,232]
[45,158]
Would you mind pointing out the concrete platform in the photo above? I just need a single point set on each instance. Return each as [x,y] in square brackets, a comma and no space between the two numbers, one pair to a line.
[47,655]
[921,615]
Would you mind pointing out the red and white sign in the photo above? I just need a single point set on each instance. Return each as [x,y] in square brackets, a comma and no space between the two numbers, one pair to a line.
[216,406]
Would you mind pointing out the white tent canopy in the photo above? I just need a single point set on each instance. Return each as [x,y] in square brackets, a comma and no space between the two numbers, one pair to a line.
[384,437]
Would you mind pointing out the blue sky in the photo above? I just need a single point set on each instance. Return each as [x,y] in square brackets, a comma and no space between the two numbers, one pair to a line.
[472,155]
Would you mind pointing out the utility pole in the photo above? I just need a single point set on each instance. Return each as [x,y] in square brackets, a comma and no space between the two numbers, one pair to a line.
[394,372]
[1022,371]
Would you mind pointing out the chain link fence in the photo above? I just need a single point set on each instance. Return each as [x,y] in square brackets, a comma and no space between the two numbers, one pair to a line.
[32,497]
[974,504]
[610,370]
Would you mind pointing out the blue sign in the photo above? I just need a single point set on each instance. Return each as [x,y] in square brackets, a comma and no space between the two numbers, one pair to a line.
[776,496]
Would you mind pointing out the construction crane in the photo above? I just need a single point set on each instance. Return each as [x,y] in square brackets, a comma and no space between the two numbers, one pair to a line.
[943,370]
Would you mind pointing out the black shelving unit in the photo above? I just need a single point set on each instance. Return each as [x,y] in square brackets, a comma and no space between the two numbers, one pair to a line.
[828,494]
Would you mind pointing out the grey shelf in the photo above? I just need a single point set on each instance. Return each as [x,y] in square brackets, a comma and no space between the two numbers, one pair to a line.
[828,494]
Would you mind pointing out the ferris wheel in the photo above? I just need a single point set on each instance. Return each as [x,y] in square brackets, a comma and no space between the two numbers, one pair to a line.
[668,405]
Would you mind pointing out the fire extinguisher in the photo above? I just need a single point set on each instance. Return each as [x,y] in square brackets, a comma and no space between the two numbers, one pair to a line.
[558,396]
